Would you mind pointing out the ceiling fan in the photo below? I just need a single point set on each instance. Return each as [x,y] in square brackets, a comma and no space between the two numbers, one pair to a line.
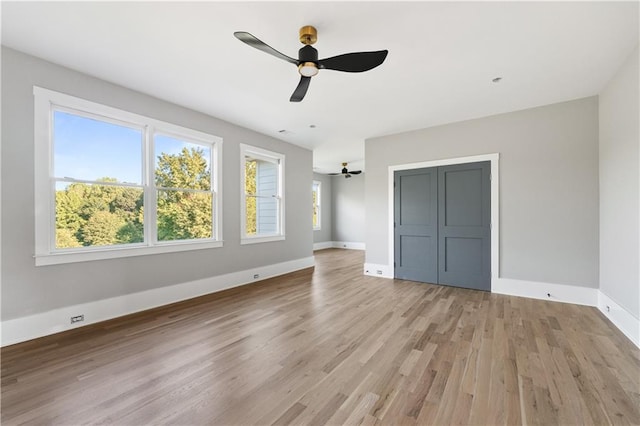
[347,174]
[308,63]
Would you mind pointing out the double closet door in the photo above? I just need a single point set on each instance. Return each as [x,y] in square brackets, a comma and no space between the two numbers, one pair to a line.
[442,222]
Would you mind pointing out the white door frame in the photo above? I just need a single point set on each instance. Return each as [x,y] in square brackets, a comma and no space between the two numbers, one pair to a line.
[495,213]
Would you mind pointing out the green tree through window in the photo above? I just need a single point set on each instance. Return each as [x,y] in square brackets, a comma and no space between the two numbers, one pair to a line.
[250,189]
[98,215]
[110,214]
[184,213]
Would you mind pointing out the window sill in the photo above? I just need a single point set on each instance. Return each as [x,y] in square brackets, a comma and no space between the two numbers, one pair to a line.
[256,240]
[120,252]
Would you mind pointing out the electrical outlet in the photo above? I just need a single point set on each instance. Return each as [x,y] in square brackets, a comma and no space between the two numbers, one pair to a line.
[548,294]
[256,276]
[77,318]
[608,308]
[379,272]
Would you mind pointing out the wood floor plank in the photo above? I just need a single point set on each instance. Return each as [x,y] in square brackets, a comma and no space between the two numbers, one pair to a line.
[329,346]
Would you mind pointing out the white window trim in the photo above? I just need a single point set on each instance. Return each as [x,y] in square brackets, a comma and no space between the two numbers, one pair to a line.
[269,156]
[45,252]
[318,227]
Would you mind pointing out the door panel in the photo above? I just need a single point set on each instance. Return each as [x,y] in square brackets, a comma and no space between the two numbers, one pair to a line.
[416,199]
[463,200]
[414,249]
[416,225]
[463,254]
[464,233]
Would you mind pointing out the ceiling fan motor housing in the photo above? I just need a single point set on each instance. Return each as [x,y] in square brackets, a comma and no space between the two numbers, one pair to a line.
[308,61]
[308,53]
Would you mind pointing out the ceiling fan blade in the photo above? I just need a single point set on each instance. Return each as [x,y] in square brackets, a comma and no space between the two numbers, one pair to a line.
[252,41]
[333,174]
[301,90]
[355,172]
[354,62]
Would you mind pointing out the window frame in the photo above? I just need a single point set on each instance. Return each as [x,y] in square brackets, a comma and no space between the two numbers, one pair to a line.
[265,155]
[45,103]
[318,204]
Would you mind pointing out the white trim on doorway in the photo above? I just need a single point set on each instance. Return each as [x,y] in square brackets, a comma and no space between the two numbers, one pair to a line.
[495,203]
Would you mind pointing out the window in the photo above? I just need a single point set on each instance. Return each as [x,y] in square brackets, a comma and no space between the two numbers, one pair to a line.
[316,205]
[262,199]
[110,183]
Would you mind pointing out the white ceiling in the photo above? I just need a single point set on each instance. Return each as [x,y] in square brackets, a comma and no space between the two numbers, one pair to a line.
[442,58]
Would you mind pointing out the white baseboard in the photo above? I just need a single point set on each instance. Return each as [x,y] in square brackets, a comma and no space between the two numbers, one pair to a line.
[533,290]
[546,291]
[628,324]
[620,317]
[46,323]
[348,245]
[378,270]
[338,244]
[323,245]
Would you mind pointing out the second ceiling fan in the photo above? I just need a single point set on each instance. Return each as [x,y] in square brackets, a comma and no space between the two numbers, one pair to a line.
[308,63]
[346,173]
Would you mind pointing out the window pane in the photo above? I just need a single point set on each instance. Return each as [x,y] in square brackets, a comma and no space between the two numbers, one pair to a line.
[262,215]
[250,176]
[261,177]
[262,204]
[181,164]
[89,149]
[263,171]
[184,215]
[315,195]
[315,216]
[97,215]
[251,215]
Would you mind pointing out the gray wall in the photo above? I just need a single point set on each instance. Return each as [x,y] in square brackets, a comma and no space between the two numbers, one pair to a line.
[27,289]
[324,233]
[619,187]
[348,209]
[548,186]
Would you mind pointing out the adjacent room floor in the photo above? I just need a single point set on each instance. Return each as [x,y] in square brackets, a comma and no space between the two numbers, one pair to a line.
[331,346]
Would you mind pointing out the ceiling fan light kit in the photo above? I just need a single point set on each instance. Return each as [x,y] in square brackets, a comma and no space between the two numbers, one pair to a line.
[308,63]
[307,69]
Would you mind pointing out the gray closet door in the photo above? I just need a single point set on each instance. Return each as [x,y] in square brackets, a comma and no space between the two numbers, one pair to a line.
[464,225]
[416,225]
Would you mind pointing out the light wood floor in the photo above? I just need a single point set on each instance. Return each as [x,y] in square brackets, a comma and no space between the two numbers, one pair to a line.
[330,346]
